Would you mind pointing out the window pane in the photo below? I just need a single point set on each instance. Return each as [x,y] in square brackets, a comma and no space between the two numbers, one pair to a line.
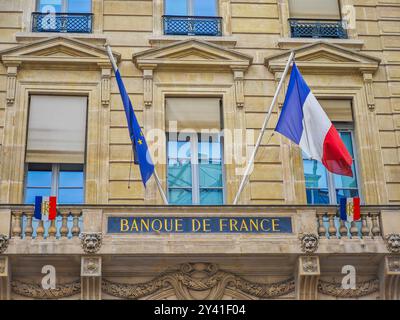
[205,7]
[211,196]
[79,6]
[71,175]
[180,196]
[317,196]
[70,196]
[176,7]
[179,173]
[344,181]
[210,175]
[50,6]
[210,151]
[30,194]
[346,137]
[179,149]
[39,179]
[346,193]
[315,174]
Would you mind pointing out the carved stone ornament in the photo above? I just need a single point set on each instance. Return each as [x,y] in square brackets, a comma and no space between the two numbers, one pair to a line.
[335,289]
[91,267]
[35,291]
[3,262]
[198,277]
[393,242]
[393,264]
[310,264]
[91,242]
[3,243]
[309,243]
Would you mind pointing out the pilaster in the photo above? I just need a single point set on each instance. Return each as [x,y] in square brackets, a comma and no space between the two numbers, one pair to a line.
[91,278]
[306,277]
[389,275]
[5,278]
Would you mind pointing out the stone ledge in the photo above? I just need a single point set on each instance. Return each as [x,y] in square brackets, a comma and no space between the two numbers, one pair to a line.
[162,40]
[290,43]
[95,38]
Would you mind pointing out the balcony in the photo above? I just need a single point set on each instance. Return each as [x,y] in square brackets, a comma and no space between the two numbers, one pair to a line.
[192,26]
[304,28]
[62,22]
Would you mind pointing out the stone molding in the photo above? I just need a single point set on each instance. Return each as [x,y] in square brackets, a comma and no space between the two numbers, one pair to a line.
[198,277]
[4,241]
[335,289]
[36,291]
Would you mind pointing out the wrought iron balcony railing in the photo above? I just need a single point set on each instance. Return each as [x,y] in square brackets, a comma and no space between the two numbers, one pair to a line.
[304,28]
[191,25]
[62,22]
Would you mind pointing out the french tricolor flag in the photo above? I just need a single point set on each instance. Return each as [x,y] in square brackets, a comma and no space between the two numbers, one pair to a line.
[303,121]
[45,208]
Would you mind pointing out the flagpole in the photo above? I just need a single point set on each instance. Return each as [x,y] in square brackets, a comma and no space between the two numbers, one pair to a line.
[266,120]
[158,182]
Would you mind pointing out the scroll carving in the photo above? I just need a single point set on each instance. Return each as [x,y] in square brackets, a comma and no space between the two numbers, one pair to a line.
[36,291]
[335,289]
[198,277]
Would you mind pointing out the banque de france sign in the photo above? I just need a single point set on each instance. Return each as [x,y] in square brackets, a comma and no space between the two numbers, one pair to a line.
[223,224]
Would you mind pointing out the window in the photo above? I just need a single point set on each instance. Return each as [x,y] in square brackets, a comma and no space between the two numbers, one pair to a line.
[194,150]
[55,152]
[206,8]
[316,19]
[323,187]
[70,6]
[311,9]
[62,180]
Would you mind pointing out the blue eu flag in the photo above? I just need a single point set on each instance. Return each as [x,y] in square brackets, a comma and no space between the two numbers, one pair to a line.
[140,149]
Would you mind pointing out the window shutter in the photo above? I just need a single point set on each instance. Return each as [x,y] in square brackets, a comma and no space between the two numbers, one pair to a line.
[312,9]
[193,113]
[56,129]
[337,110]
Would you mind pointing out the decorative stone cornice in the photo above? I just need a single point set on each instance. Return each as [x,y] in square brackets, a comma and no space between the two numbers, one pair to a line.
[91,242]
[57,51]
[323,57]
[198,277]
[309,243]
[4,240]
[36,291]
[335,289]
[393,242]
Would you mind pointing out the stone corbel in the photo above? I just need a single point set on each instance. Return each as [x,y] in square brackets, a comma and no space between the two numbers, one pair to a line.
[238,77]
[11,83]
[307,277]
[5,288]
[390,278]
[91,278]
[369,90]
[148,87]
[105,86]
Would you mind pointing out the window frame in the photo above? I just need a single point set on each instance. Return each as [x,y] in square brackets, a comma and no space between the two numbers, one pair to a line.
[64,6]
[190,9]
[340,127]
[55,179]
[194,138]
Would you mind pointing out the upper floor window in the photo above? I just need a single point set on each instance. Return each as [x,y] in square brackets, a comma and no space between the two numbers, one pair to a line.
[316,19]
[55,151]
[63,16]
[192,17]
[194,150]
[322,186]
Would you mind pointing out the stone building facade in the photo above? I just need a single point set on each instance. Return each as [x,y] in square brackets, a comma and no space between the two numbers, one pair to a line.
[222,60]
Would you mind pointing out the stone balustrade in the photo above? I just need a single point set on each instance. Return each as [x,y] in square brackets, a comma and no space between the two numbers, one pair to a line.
[330,226]
[67,224]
